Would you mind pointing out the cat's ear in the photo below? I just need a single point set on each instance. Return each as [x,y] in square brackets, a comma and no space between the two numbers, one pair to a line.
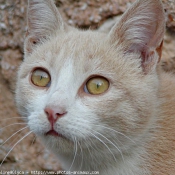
[141,30]
[43,20]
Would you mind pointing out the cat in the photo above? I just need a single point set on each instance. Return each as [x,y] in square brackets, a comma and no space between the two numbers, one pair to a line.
[97,100]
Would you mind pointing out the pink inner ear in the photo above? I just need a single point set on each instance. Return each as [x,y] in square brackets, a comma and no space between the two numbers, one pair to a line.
[149,60]
[159,51]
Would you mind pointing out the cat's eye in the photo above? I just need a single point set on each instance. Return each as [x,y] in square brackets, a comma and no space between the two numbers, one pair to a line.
[97,85]
[40,78]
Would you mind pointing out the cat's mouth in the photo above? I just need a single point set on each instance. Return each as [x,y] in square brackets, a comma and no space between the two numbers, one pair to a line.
[54,133]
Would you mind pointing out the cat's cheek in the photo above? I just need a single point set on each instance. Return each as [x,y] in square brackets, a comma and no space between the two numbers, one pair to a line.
[38,124]
[21,105]
[24,96]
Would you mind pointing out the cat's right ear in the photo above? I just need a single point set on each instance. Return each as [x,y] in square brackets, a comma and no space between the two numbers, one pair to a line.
[43,20]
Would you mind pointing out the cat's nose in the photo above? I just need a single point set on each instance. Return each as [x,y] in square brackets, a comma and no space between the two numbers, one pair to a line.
[53,114]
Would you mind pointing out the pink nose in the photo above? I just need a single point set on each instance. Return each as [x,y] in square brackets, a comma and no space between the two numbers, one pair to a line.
[54,114]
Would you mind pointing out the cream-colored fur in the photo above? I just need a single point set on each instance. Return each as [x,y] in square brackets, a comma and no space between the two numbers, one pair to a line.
[128,130]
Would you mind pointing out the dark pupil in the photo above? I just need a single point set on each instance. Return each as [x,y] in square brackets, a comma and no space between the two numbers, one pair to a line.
[41,77]
[98,85]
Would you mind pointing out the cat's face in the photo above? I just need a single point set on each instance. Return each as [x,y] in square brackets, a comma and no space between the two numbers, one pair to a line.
[105,90]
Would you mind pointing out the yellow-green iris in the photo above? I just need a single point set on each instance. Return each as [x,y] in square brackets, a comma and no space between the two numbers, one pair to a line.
[97,85]
[40,78]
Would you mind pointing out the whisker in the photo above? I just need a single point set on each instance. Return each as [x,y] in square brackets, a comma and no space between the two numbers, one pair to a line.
[104,144]
[118,133]
[13,125]
[112,144]
[14,146]
[13,135]
[75,154]
[13,118]
[92,157]
[81,154]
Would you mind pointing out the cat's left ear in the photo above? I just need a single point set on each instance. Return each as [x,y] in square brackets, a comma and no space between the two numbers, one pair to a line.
[141,30]
[43,20]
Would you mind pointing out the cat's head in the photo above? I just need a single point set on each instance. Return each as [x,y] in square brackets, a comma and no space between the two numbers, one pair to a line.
[89,87]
